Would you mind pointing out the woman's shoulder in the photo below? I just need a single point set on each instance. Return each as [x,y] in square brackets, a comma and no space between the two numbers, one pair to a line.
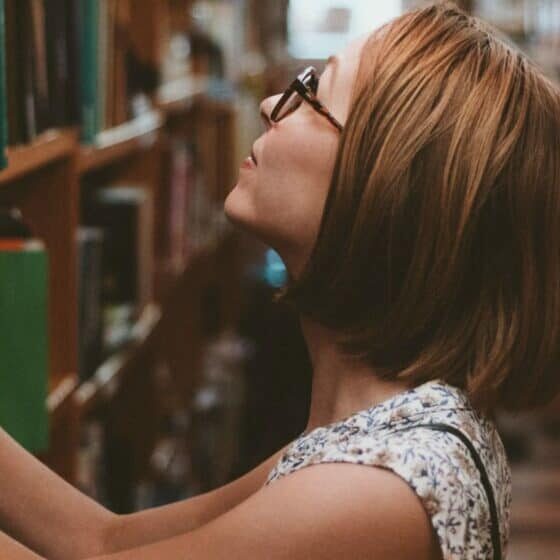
[437,465]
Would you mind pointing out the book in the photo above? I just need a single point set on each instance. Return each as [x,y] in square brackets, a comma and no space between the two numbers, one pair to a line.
[125,214]
[121,46]
[89,27]
[181,182]
[14,78]
[3,91]
[72,27]
[90,316]
[25,67]
[40,73]
[24,343]
[57,60]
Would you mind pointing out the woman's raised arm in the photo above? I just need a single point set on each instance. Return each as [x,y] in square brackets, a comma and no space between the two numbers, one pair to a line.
[156,524]
[43,511]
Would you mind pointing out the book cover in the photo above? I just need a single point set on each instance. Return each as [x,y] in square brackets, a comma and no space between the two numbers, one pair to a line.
[90,317]
[27,69]
[24,343]
[3,91]
[13,76]
[125,214]
[57,60]
[88,68]
[102,63]
[73,25]
[121,47]
[40,65]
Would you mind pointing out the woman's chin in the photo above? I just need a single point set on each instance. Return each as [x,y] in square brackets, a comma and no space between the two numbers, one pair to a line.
[237,209]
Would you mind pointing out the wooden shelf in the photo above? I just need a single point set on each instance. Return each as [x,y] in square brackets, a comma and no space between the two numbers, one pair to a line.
[121,141]
[113,144]
[47,180]
[47,148]
[62,391]
[106,380]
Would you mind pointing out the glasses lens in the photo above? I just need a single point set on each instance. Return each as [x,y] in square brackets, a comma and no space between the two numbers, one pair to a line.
[291,104]
[309,80]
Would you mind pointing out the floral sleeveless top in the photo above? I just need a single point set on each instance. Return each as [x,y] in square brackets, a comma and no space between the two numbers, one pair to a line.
[437,465]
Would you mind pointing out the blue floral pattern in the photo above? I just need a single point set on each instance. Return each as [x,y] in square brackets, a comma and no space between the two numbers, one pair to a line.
[437,466]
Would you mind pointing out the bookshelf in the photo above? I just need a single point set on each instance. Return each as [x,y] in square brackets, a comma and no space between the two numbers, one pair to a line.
[51,177]
[49,147]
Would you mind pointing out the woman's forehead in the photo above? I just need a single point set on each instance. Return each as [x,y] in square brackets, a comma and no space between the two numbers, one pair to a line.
[344,64]
[338,78]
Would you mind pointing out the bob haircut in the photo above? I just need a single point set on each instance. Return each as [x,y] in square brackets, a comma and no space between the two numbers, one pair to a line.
[438,254]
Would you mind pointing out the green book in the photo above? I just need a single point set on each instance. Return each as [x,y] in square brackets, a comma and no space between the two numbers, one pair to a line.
[89,28]
[24,344]
[3,92]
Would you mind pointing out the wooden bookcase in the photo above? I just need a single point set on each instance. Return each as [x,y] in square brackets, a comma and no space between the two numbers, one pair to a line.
[47,181]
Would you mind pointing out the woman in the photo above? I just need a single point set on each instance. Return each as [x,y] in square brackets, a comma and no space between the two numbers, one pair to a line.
[413,193]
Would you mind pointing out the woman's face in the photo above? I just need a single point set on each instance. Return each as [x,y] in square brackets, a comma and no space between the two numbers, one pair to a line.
[281,199]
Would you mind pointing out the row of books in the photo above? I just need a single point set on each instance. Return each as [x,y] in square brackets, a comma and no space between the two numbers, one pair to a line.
[115,271]
[41,58]
[68,62]
[116,249]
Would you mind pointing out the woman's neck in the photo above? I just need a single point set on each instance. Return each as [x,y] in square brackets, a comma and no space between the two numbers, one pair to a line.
[340,386]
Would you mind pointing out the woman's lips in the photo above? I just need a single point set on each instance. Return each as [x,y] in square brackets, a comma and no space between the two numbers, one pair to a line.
[248,163]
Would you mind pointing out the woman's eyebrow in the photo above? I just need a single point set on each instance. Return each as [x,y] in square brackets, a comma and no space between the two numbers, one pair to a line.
[332,59]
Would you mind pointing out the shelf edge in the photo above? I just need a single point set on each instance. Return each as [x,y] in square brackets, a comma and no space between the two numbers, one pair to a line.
[48,147]
[105,381]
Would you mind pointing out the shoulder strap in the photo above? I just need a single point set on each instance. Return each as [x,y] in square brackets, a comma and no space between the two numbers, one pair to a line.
[496,542]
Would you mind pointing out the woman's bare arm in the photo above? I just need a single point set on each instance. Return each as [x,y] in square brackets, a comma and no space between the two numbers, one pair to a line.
[41,510]
[156,524]
[321,511]
[12,550]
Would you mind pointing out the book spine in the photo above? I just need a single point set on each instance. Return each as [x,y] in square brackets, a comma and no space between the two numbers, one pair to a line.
[57,60]
[28,71]
[89,73]
[40,67]
[72,30]
[102,66]
[3,91]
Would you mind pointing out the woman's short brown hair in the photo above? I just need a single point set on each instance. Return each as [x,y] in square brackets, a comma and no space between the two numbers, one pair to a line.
[438,255]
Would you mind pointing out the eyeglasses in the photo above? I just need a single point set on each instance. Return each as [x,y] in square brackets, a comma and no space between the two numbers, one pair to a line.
[304,87]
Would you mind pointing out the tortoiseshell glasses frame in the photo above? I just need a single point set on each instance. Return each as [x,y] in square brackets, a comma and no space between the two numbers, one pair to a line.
[304,87]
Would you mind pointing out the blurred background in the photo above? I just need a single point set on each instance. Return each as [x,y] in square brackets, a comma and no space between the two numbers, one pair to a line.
[141,356]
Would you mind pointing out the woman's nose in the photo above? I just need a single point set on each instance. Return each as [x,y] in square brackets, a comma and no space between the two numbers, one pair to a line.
[266,107]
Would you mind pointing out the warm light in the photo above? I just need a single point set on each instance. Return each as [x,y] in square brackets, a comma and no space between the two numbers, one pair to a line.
[317,28]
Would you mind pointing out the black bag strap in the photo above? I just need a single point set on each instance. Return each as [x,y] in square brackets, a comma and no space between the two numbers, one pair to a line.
[496,542]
